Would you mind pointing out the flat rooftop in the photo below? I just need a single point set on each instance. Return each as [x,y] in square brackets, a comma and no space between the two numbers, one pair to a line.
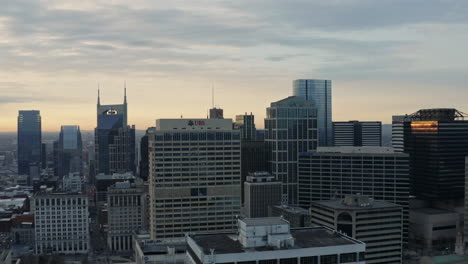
[359,150]
[293,209]
[264,221]
[338,204]
[226,243]
[431,211]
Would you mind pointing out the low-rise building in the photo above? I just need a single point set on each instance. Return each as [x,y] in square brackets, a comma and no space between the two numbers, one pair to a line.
[295,215]
[271,241]
[72,182]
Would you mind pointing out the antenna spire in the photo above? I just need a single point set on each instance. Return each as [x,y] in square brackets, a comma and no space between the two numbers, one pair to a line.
[98,95]
[125,92]
[212,96]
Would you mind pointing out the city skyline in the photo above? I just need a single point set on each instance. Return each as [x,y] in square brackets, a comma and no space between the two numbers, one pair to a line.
[171,55]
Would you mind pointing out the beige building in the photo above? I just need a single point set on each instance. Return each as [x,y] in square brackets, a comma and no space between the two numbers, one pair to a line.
[195,178]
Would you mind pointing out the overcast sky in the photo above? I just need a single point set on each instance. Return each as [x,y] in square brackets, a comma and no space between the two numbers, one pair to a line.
[383,57]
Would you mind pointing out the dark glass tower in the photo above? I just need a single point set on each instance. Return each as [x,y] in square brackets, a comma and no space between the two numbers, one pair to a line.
[29,141]
[357,134]
[319,93]
[114,139]
[144,157]
[69,151]
[437,143]
[290,128]
[246,125]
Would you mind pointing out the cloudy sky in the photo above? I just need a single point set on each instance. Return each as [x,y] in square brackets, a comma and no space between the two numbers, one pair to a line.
[383,57]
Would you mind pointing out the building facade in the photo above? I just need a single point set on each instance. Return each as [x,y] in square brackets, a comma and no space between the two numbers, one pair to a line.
[295,215]
[114,139]
[333,172]
[253,159]
[72,182]
[29,142]
[143,170]
[126,208]
[437,143]
[246,124]
[271,241]
[194,177]
[69,151]
[61,223]
[318,92]
[290,128]
[379,224]
[260,191]
[357,134]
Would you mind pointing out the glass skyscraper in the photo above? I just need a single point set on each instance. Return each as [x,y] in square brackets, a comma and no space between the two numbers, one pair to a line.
[319,93]
[290,128]
[69,151]
[29,141]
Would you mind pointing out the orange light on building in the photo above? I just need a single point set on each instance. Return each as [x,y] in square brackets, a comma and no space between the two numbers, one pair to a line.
[425,126]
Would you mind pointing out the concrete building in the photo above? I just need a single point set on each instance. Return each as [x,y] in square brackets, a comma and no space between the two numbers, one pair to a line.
[126,208]
[357,134]
[194,176]
[379,224]
[72,182]
[295,215]
[290,128]
[433,228]
[261,191]
[271,241]
[61,223]
[333,172]
[104,181]
[319,92]
[157,252]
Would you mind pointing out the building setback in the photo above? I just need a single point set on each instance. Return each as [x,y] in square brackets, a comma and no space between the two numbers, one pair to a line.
[194,176]
[357,134]
[61,223]
[261,191]
[246,124]
[290,128]
[333,172]
[437,143]
[271,241]
[379,224]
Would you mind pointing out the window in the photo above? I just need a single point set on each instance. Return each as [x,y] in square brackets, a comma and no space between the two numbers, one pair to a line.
[329,259]
[348,257]
[288,261]
[309,260]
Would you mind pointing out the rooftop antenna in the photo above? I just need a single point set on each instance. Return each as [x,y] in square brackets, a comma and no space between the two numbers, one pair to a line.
[125,92]
[98,95]
[212,96]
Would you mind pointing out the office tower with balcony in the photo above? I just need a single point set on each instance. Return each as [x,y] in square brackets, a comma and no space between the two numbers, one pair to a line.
[69,151]
[114,139]
[357,134]
[261,190]
[437,143]
[29,142]
[290,128]
[333,172]
[319,92]
[195,177]
[379,224]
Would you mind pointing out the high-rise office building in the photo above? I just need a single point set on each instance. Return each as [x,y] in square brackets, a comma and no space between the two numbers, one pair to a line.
[29,141]
[357,134]
[290,128]
[333,172]
[466,203]
[437,143]
[216,113]
[194,177]
[260,191]
[69,151]
[114,139]
[126,208]
[61,223]
[143,170]
[318,92]
[379,224]
[253,159]
[246,124]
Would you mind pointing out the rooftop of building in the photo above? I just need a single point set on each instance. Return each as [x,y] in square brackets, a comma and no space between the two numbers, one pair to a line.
[264,221]
[431,211]
[189,124]
[226,243]
[356,202]
[358,150]
[115,176]
[293,209]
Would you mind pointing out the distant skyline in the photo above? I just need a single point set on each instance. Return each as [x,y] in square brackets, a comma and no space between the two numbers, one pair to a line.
[383,57]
